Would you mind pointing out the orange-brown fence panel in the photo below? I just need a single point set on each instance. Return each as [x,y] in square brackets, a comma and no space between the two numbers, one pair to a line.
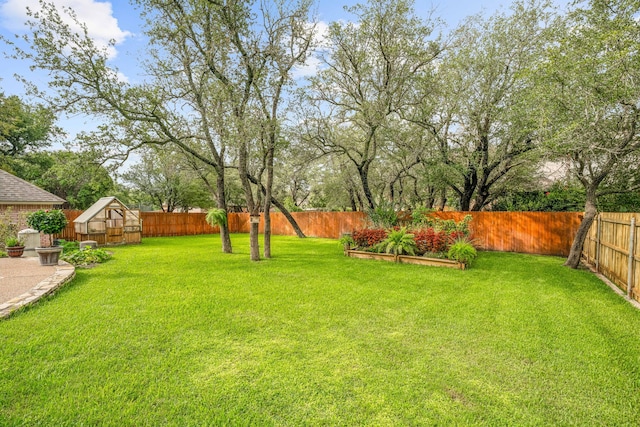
[163,224]
[155,224]
[69,233]
[313,224]
[544,233]
[548,233]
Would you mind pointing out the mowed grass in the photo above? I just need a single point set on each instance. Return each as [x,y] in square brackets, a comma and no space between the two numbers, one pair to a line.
[173,332]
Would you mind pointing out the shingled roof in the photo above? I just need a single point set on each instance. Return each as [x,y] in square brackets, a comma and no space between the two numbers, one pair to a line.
[14,190]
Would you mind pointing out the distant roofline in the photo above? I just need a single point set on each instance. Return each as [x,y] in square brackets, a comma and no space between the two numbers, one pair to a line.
[4,202]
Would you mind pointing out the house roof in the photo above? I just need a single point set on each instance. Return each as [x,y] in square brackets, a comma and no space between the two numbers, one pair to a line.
[14,190]
[96,208]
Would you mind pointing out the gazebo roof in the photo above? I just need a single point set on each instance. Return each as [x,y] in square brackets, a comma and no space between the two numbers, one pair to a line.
[14,190]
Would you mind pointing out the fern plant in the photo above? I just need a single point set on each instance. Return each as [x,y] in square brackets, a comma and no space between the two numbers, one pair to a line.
[346,240]
[216,217]
[398,242]
[462,251]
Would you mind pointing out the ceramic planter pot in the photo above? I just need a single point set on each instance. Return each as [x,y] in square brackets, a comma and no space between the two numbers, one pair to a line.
[15,251]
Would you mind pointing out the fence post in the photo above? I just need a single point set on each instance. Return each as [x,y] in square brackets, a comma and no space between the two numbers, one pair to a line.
[598,235]
[589,239]
[632,234]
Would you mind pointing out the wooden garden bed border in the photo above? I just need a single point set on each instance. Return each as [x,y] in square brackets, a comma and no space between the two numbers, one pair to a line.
[405,259]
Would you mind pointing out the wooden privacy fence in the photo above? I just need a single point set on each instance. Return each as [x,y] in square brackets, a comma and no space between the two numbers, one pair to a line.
[548,233]
[542,233]
[69,233]
[613,248]
[545,233]
[161,224]
[155,224]
[314,224]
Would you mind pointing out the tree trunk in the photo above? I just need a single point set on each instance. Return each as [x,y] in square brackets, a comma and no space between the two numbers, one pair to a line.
[465,203]
[267,230]
[281,207]
[289,217]
[590,212]
[442,202]
[469,187]
[352,199]
[251,205]
[267,199]
[222,204]
[253,242]
[363,173]
[480,200]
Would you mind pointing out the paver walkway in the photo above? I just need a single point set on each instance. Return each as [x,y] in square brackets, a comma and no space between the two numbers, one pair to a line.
[23,281]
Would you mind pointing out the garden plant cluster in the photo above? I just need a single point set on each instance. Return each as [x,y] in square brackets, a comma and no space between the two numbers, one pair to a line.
[87,257]
[425,236]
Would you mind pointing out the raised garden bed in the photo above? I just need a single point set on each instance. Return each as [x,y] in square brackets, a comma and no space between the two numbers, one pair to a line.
[405,259]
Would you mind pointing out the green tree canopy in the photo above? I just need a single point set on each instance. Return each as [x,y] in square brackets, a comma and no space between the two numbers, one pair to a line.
[24,127]
[589,99]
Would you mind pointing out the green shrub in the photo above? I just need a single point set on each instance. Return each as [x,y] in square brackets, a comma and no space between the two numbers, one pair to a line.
[3,254]
[420,217]
[69,246]
[8,226]
[462,251]
[48,222]
[558,198]
[398,242]
[463,226]
[86,257]
[346,240]
[383,216]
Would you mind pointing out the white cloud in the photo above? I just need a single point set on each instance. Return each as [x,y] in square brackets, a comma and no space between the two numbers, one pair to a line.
[98,16]
[310,68]
[322,34]
[122,78]
[312,64]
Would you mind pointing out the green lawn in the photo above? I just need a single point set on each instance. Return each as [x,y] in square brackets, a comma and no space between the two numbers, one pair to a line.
[173,332]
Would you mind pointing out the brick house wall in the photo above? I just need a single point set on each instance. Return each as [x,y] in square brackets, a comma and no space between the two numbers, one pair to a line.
[15,217]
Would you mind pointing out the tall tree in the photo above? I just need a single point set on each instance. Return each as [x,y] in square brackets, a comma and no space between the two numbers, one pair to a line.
[24,127]
[200,96]
[248,58]
[289,41]
[77,177]
[477,112]
[590,101]
[370,68]
[74,176]
[168,181]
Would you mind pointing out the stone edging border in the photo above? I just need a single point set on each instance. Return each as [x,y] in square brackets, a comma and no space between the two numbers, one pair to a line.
[65,272]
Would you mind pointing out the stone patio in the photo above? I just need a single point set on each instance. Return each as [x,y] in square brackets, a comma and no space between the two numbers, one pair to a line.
[24,281]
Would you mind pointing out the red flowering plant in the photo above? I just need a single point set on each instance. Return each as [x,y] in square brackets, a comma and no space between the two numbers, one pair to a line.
[430,240]
[368,237]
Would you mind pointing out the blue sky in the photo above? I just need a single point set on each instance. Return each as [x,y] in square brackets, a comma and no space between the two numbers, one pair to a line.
[120,20]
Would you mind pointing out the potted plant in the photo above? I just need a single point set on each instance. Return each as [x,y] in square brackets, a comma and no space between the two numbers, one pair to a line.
[48,222]
[14,247]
